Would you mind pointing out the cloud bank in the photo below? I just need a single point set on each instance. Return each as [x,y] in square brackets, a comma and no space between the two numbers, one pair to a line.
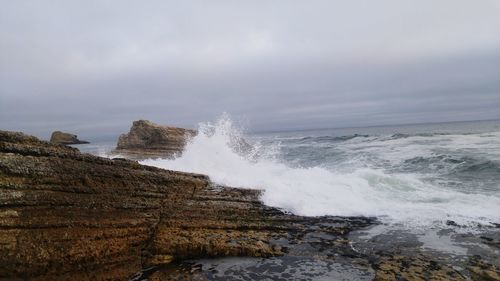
[92,67]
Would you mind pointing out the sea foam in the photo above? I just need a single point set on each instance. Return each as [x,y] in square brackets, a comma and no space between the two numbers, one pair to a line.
[395,198]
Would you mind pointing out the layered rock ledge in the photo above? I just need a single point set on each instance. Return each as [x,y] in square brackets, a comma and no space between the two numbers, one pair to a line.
[65,215]
[68,215]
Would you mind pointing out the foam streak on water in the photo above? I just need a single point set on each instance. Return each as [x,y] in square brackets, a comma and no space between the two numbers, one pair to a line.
[383,176]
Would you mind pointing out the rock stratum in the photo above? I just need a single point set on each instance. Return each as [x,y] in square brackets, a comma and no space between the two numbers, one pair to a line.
[65,138]
[65,215]
[147,139]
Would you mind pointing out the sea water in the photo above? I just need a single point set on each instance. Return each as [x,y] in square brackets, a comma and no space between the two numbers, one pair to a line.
[412,175]
[433,188]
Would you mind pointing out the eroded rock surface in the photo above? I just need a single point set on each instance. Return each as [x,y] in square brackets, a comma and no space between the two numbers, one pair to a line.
[65,215]
[68,215]
[147,139]
[65,138]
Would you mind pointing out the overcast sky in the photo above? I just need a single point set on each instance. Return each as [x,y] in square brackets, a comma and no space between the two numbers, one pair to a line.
[92,67]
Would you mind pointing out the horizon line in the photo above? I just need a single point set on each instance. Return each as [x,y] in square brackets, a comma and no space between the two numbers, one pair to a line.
[371,126]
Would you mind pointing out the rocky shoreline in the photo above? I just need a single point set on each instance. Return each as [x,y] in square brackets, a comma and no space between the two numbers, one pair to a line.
[66,215]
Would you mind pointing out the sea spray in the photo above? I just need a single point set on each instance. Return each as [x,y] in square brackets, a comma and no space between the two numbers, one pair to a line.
[402,198]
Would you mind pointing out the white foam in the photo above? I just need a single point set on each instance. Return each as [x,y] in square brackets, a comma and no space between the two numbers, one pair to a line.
[398,150]
[395,198]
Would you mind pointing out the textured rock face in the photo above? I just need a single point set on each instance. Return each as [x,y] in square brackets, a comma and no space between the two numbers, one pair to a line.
[147,139]
[65,215]
[65,138]
[68,215]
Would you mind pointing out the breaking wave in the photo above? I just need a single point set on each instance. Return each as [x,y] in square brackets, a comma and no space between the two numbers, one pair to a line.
[396,196]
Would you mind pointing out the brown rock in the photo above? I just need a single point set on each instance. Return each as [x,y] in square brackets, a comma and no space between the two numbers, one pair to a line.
[483,270]
[65,215]
[420,267]
[147,139]
[65,138]
[68,215]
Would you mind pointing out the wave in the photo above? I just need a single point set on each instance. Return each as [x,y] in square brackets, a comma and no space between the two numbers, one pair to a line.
[400,198]
[452,164]
[331,139]
[403,136]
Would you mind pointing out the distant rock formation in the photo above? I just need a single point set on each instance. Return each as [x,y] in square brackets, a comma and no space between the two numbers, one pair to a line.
[147,139]
[65,138]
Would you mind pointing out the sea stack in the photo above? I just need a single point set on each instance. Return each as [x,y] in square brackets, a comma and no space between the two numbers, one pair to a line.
[59,137]
[147,139]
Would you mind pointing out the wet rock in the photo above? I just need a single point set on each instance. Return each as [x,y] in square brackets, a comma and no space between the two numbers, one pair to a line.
[483,270]
[65,138]
[69,215]
[420,267]
[147,139]
[65,215]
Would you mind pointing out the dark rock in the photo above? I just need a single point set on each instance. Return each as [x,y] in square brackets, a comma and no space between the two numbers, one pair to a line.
[65,138]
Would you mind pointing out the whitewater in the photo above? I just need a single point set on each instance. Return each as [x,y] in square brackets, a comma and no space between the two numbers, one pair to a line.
[409,176]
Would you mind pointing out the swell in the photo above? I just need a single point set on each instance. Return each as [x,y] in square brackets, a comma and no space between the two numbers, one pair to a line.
[331,139]
[454,165]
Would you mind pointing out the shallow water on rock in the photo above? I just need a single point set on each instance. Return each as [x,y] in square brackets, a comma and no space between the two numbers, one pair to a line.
[361,255]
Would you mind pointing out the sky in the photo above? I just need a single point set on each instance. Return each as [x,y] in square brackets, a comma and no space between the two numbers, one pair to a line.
[92,67]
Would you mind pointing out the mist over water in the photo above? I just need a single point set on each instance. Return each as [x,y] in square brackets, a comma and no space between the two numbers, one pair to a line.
[415,176]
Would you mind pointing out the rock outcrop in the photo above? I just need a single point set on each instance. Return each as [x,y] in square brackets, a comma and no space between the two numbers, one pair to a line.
[65,138]
[147,139]
[66,215]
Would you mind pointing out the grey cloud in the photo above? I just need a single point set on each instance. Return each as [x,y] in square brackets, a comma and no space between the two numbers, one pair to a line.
[94,66]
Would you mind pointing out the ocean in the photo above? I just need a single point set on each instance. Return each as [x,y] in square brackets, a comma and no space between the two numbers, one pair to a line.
[414,176]
[411,175]
[432,188]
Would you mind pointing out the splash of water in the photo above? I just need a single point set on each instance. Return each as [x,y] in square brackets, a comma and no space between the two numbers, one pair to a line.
[400,198]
